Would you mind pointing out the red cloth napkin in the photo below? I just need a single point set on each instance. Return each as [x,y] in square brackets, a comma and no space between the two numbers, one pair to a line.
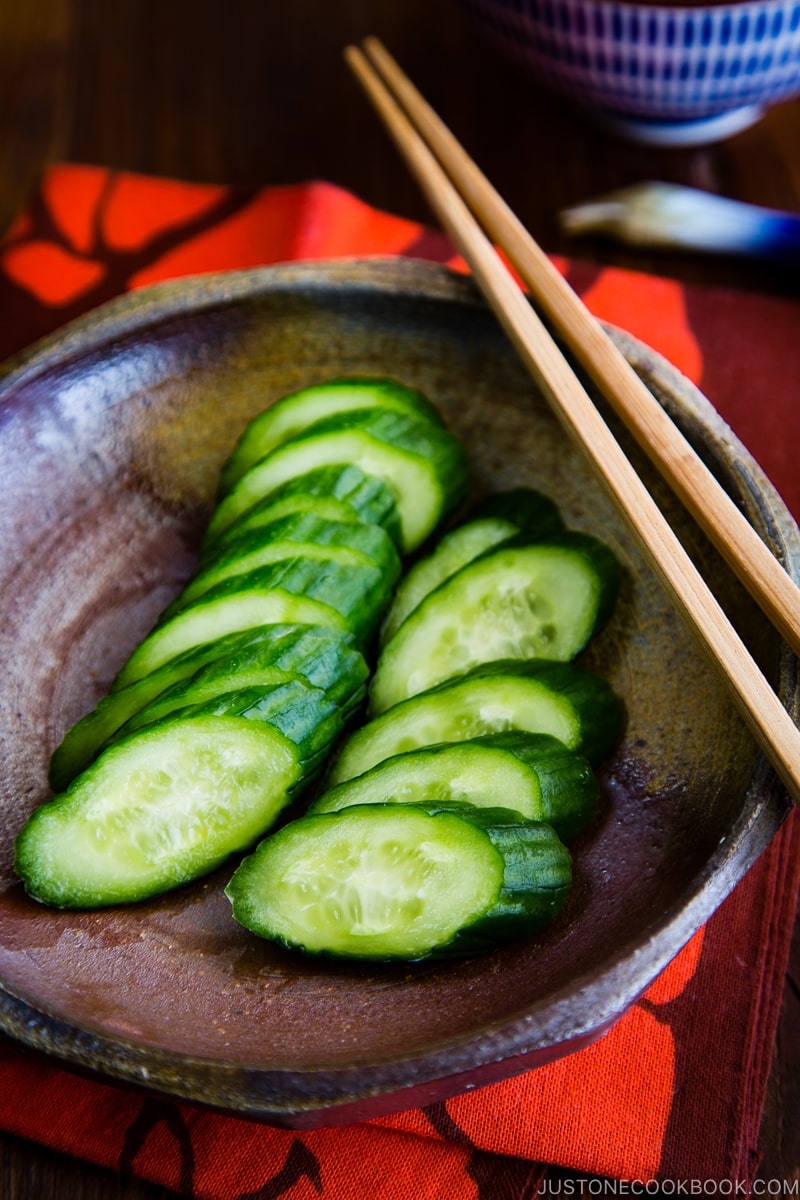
[675,1091]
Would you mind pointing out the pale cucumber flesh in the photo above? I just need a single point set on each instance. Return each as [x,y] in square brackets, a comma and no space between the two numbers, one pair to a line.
[462,773]
[456,714]
[292,414]
[453,552]
[533,602]
[369,882]
[325,657]
[156,811]
[232,614]
[263,556]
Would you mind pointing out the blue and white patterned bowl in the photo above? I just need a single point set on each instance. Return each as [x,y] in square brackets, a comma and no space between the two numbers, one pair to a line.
[664,75]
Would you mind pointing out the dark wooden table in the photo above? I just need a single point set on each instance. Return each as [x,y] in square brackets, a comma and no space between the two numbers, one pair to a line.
[254,92]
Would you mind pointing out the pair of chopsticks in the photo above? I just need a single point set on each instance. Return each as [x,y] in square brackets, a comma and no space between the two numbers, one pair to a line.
[453,185]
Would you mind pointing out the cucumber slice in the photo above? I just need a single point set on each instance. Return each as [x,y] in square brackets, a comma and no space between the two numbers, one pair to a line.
[295,590]
[579,709]
[364,541]
[454,551]
[294,413]
[537,877]
[302,535]
[499,520]
[325,657]
[246,605]
[531,774]
[569,789]
[156,811]
[339,493]
[251,670]
[389,881]
[424,465]
[304,715]
[540,600]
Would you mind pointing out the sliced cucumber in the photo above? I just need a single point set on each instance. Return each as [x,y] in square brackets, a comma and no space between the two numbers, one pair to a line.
[536,880]
[251,670]
[302,535]
[578,708]
[454,550]
[294,413]
[498,521]
[156,811]
[532,774]
[370,541]
[523,600]
[394,881]
[325,657]
[423,464]
[295,590]
[228,609]
[339,493]
[569,789]
[304,715]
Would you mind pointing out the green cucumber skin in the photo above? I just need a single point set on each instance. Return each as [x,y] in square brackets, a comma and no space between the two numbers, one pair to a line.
[316,850]
[260,556]
[570,791]
[533,882]
[391,438]
[343,493]
[340,673]
[303,715]
[453,552]
[369,541]
[596,712]
[68,856]
[326,658]
[553,784]
[536,880]
[285,419]
[470,766]
[303,535]
[301,720]
[294,590]
[357,591]
[229,611]
[418,656]
[600,710]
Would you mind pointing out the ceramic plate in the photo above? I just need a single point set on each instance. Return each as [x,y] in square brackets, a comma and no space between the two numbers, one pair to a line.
[111,437]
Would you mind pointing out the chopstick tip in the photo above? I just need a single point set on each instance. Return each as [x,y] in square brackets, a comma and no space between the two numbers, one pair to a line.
[355,59]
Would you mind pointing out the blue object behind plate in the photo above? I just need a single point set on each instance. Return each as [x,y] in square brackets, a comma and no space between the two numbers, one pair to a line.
[664,75]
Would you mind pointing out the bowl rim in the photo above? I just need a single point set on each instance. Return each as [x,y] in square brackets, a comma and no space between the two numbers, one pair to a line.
[311,1097]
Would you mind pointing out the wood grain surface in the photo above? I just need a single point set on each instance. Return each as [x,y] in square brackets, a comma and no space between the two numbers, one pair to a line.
[256,93]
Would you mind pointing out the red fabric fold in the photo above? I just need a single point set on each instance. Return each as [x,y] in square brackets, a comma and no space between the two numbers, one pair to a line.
[675,1091]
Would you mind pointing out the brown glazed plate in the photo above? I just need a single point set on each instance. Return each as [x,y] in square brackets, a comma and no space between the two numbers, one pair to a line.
[111,437]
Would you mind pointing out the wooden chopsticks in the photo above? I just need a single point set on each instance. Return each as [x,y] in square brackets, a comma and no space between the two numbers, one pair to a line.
[452,184]
[711,506]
